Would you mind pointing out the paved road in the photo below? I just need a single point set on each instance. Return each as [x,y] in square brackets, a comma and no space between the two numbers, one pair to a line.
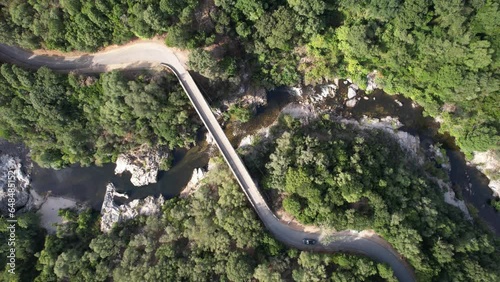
[147,54]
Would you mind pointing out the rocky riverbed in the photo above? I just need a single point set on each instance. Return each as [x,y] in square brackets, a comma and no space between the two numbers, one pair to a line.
[15,186]
[14,175]
[113,213]
[489,163]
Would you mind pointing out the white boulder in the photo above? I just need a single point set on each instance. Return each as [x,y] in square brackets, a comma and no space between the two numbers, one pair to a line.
[112,213]
[370,81]
[192,186]
[351,103]
[351,93]
[142,163]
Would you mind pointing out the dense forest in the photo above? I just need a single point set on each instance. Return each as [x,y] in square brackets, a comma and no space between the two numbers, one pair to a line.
[211,236]
[333,174]
[443,54]
[67,119]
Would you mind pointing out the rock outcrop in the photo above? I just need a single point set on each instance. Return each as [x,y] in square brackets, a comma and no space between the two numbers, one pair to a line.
[408,142]
[489,163]
[370,81]
[451,199]
[192,186]
[210,139]
[253,97]
[112,213]
[411,145]
[12,176]
[320,93]
[142,163]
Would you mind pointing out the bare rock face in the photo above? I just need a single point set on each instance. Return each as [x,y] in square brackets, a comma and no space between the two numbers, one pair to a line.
[370,81]
[14,184]
[320,93]
[112,213]
[351,92]
[351,95]
[192,186]
[489,163]
[142,163]
[255,96]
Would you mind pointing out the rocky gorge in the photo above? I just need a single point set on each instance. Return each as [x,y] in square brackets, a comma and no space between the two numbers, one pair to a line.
[113,213]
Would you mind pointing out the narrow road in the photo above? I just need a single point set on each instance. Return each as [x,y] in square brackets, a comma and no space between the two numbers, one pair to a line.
[148,54]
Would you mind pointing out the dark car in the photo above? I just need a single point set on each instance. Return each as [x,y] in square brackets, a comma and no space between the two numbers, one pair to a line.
[309,241]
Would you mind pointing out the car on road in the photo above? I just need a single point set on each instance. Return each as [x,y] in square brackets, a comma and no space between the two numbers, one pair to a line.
[309,241]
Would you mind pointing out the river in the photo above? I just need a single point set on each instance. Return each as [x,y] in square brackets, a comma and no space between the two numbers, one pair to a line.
[88,184]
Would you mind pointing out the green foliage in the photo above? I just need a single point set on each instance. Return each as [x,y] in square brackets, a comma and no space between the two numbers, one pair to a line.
[239,113]
[69,119]
[448,57]
[269,32]
[28,241]
[496,204]
[88,25]
[203,62]
[336,175]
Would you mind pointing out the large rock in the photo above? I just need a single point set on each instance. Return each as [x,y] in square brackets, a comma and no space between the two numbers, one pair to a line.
[192,186]
[370,81]
[112,213]
[14,185]
[489,163]
[320,93]
[210,139]
[143,164]
[246,141]
[351,103]
[297,91]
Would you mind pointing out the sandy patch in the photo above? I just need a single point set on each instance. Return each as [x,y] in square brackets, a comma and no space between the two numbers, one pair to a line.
[49,209]
[181,54]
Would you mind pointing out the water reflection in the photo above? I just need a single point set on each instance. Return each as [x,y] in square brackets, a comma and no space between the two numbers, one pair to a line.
[88,184]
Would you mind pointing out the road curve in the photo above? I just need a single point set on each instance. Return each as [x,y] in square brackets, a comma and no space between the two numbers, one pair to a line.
[146,54]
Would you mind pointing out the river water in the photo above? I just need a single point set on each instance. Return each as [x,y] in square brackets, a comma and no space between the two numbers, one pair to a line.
[88,184]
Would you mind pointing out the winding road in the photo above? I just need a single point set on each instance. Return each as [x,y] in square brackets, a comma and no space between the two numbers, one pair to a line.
[147,54]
